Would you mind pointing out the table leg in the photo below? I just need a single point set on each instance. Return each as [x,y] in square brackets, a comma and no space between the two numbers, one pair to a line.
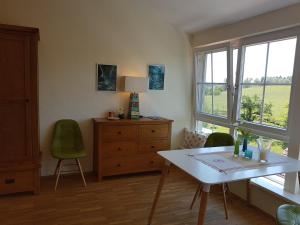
[299,178]
[165,171]
[203,204]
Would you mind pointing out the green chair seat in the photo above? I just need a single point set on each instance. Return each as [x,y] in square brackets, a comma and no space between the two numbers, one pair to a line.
[69,155]
[218,139]
[288,215]
[67,141]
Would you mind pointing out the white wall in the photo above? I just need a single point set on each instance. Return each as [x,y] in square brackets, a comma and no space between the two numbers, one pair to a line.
[77,34]
[277,19]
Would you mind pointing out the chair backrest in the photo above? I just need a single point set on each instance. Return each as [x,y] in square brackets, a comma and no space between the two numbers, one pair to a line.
[67,137]
[219,139]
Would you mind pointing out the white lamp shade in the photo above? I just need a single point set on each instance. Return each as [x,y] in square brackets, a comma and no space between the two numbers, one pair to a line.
[136,84]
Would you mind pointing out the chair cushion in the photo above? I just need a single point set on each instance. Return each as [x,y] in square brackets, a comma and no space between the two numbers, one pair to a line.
[192,139]
[67,140]
[288,215]
[69,155]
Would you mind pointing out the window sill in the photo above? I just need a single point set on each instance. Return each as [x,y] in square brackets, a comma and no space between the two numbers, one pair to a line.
[276,189]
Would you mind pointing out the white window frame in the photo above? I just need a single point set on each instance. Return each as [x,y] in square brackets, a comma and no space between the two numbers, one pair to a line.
[206,117]
[262,129]
[234,94]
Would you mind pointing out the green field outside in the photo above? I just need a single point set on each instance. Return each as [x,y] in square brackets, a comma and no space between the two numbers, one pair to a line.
[277,95]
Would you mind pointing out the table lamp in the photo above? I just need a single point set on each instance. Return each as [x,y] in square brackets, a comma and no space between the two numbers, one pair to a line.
[135,85]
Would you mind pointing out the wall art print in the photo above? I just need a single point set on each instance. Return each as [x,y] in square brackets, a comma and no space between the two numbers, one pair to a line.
[107,77]
[156,77]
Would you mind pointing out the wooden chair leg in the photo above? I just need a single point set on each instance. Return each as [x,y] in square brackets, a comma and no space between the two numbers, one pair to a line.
[81,172]
[58,175]
[227,188]
[224,200]
[197,194]
[57,166]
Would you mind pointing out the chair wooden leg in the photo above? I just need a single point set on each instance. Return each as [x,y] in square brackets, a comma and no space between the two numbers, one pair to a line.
[224,200]
[57,166]
[81,172]
[227,188]
[197,194]
[58,175]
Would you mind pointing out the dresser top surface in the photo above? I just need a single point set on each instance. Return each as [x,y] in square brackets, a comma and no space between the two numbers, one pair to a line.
[143,120]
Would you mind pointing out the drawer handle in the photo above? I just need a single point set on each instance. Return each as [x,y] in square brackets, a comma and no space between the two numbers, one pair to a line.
[9,181]
[153,131]
[119,132]
[152,146]
[119,149]
[119,165]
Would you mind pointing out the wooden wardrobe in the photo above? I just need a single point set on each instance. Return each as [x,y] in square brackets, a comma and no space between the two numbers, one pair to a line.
[19,141]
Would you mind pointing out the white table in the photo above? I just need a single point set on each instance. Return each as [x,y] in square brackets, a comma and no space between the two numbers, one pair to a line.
[208,176]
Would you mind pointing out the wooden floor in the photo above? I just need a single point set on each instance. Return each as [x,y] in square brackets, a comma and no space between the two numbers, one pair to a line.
[122,201]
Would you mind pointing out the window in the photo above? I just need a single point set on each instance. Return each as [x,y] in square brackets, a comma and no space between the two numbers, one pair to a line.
[213,84]
[266,82]
[249,81]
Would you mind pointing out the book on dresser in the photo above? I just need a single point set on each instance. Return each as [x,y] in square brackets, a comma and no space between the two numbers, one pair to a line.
[129,146]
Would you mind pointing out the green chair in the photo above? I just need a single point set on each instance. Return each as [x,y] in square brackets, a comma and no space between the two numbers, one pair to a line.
[67,143]
[216,140]
[288,215]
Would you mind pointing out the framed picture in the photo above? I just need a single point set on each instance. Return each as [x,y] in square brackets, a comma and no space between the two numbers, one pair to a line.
[156,77]
[107,77]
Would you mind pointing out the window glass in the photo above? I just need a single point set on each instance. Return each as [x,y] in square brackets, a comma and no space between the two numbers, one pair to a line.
[220,100]
[213,89]
[208,74]
[219,67]
[281,61]
[234,64]
[251,103]
[276,105]
[267,101]
[208,128]
[255,63]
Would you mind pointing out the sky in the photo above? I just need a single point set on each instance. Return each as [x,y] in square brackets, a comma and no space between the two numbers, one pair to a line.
[280,61]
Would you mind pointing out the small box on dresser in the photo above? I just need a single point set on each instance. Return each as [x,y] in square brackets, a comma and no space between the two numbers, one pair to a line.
[129,146]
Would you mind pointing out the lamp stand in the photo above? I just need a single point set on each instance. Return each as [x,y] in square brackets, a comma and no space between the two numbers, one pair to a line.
[133,111]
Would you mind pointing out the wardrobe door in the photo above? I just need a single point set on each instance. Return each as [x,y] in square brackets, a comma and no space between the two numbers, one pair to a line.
[15,99]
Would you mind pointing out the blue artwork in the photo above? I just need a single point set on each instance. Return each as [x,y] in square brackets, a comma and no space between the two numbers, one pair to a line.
[156,77]
[107,77]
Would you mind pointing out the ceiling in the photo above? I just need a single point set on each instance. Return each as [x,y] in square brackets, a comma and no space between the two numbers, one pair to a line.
[195,15]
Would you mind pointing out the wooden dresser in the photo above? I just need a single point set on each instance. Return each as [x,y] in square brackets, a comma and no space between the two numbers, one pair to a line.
[129,146]
[19,141]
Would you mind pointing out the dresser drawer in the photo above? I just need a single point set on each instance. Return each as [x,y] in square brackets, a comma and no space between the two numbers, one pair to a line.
[117,149]
[122,132]
[147,162]
[11,182]
[154,131]
[154,146]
